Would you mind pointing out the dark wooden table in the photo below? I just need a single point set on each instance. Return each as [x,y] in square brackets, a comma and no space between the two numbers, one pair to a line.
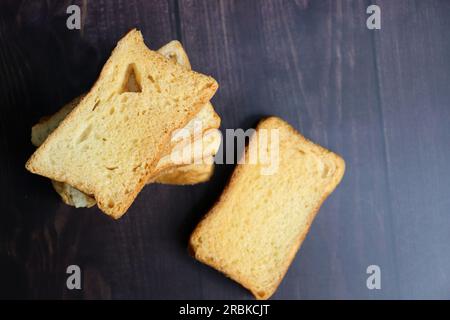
[380,98]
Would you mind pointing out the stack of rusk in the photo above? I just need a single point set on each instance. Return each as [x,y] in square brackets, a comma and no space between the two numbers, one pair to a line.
[147,119]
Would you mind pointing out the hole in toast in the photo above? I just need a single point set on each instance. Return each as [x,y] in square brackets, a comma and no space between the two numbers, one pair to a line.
[110,204]
[99,137]
[95,105]
[131,81]
[155,83]
[111,111]
[173,57]
[85,134]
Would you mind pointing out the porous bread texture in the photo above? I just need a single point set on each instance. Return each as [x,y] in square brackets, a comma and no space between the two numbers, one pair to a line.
[254,231]
[177,174]
[199,169]
[109,144]
[207,143]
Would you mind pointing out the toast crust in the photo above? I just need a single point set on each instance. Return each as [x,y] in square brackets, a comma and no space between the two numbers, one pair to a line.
[234,180]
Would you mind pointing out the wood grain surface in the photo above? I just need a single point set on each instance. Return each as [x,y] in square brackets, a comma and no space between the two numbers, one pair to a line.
[380,98]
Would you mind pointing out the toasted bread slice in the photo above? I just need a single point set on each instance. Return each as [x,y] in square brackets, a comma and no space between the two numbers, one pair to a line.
[109,144]
[254,231]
